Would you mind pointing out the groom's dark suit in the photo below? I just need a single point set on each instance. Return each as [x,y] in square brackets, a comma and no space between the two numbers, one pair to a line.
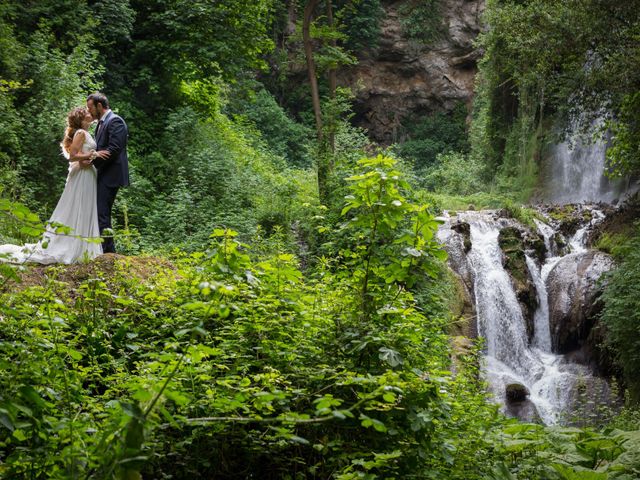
[113,173]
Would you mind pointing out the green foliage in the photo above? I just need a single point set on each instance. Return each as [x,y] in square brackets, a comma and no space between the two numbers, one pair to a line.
[524,215]
[477,201]
[422,20]
[236,362]
[18,225]
[627,419]
[242,358]
[224,38]
[53,16]
[395,238]
[209,174]
[560,453]
[231,358]
[616,244]
[431,135]
[621,315]
[282,135]
[623,156]
[115,18]
[18,222]
[546,61]
[454,173]
[361,20]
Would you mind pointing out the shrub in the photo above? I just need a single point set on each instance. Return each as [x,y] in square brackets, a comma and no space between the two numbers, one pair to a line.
[454,173]
[428,136]
[621,315]
[283,136]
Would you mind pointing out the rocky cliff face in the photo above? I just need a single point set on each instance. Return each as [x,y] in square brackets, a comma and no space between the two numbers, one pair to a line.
[402,77]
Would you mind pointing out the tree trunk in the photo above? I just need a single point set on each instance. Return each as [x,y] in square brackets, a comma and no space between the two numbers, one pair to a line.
[311,66]
[333,81]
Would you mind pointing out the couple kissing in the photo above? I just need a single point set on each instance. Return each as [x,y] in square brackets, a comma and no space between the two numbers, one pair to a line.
[98,167]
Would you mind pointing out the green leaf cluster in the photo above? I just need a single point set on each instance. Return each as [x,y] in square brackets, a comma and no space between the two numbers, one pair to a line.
[621,315]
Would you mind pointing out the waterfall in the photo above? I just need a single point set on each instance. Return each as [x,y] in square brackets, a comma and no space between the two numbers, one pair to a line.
[542,333]
[512,358]
[575,169]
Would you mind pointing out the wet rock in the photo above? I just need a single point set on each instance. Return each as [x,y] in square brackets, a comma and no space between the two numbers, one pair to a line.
[456,238]
[560,244]
[464,229]
[518,404]
[568,218]
[457,245]
[573,292]
[516,392]
[513,247]
[530,238]
[463,310]
[534,242]
[525,411]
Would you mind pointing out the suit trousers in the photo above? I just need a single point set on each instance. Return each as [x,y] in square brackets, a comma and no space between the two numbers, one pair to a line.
[106,197]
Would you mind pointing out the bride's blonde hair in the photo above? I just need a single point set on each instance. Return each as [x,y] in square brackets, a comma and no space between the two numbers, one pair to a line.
[74,123]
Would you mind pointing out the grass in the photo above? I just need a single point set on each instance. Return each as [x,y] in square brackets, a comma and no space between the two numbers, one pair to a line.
[616,244]
[476,201]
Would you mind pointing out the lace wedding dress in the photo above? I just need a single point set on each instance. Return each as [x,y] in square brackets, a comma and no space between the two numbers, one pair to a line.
[76,209]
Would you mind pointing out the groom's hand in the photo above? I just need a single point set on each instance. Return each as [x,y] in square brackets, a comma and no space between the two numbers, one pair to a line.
[103,154]
[85,163]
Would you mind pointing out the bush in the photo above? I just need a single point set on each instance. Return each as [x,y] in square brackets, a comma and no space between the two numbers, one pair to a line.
[282,135]
[454,173]
[422,20]
[621,315]
[430,135]
[361,22]
[237,365]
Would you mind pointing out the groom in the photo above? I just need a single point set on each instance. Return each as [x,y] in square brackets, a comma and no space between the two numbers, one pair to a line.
[111,161]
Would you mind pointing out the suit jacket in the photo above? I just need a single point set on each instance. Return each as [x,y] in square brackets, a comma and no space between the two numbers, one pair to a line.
[113,135]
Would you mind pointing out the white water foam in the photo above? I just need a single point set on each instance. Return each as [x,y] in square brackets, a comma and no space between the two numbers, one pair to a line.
[575,171]
[549,377]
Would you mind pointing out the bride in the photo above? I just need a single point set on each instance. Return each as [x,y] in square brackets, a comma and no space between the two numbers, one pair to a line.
[76,208]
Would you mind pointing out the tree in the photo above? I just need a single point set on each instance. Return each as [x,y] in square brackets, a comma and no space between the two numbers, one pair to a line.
[311,65]
[556,57]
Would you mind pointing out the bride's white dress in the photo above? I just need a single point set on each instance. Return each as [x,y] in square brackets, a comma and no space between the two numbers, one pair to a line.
[76,209]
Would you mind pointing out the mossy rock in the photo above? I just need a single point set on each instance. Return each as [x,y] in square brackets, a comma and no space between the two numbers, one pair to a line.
[464,229]
[613,234]
[512,243]
[462,308]
[569,217]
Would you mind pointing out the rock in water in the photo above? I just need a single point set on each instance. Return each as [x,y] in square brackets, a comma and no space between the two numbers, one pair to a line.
[573,291]
[516,392]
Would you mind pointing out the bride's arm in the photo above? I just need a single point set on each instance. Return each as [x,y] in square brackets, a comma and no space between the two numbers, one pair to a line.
[75,150]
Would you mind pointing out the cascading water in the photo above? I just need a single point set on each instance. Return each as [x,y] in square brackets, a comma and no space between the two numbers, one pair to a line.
[512,358]
[523,368]
[574,172]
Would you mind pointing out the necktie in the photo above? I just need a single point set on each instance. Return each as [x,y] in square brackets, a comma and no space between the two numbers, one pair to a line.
[98,127]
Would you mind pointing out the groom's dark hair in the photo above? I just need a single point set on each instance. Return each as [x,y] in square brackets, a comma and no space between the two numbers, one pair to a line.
[100,98]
